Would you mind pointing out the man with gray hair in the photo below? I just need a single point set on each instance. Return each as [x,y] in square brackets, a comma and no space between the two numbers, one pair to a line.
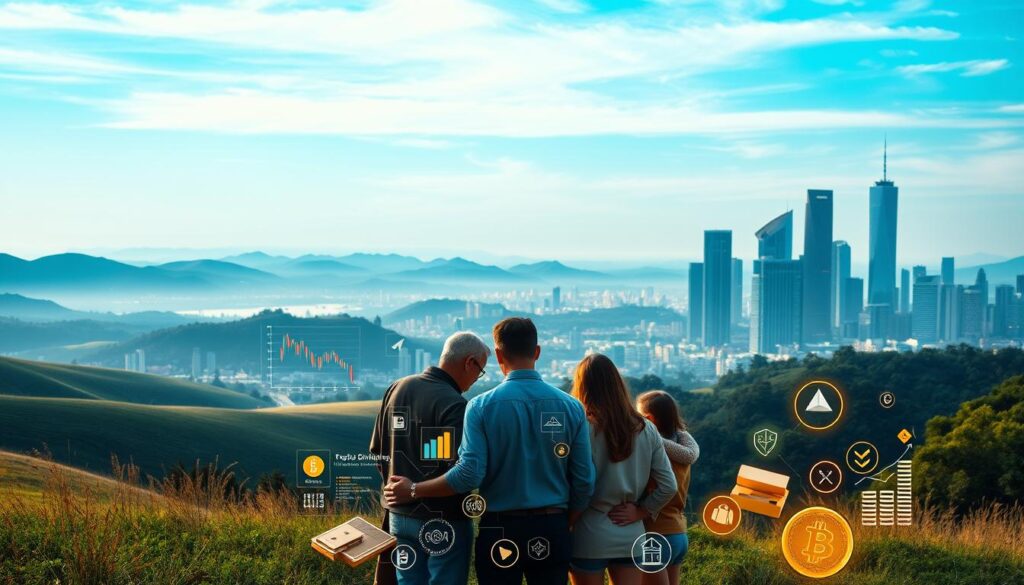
[417,434]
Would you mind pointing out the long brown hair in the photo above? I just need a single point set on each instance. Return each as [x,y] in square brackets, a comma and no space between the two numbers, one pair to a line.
[663,409]
[604,395]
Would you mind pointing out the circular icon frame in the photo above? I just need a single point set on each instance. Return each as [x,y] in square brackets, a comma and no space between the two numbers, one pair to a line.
[474,498]
[830,464]
[427,536]
[878,456]
[797,566]
[314,461]
[666,558]
[561,450]
[718,500]
[882,399]
[395,552]
[839,413]
[514,557]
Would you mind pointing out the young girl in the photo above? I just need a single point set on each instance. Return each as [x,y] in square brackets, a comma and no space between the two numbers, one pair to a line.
[661,409]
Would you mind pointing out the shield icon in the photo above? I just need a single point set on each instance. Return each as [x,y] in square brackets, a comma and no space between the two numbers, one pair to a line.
[765,440]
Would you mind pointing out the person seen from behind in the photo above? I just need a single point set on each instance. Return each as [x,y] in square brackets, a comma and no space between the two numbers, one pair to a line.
[628,456]
[661,409]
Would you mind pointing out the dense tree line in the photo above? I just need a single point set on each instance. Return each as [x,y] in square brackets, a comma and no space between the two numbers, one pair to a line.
[926,384]
[976,455]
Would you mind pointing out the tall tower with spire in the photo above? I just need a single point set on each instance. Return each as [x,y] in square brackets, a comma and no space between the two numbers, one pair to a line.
[884,202]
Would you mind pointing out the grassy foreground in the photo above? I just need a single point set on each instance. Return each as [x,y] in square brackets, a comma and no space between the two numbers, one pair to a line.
[58,525]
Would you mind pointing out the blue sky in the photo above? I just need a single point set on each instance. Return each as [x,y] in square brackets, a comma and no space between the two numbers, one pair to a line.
[549,129]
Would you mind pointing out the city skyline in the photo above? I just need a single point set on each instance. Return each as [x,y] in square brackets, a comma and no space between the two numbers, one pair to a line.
[157,125]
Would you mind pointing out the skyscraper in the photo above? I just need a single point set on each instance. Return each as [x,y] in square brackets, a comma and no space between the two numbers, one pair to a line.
[972,314]
[1002,316]
[775,290]
[736,299]
[853,305]
[696,300]
[884,202]
[981,283]
[904,291]
[717,287]
[840,272]
[817,266]
[948,270]
[925,320]
[556,298]
[775,305]
[775,239]
[950,301]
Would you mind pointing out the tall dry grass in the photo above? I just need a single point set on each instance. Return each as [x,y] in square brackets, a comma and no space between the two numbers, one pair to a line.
[988,528]
[91,524]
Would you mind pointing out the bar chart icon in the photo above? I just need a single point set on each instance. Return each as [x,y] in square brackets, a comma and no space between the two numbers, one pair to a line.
[890,507]
[437,443]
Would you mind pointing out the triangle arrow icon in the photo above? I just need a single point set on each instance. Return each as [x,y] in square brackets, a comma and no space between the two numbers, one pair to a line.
[818,403]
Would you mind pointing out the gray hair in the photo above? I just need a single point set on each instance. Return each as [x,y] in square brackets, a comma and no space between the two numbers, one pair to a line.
[463,344]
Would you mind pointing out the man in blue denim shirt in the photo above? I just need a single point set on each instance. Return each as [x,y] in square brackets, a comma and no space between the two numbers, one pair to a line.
[526,446]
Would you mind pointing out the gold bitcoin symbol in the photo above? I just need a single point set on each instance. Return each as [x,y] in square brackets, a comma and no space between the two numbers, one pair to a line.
[817,542]
[313,466]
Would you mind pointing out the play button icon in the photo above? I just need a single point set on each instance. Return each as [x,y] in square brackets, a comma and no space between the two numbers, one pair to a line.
[504,553]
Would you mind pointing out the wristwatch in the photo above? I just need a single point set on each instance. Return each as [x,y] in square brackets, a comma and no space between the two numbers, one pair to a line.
[412,492]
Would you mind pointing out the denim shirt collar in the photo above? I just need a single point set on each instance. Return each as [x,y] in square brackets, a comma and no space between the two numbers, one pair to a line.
[523,375]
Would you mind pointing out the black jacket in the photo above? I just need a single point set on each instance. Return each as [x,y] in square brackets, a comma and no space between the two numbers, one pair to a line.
[429,403]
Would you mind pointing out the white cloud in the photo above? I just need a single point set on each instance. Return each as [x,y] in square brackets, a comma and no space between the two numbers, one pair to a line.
[1012,109]
[257,112]
[457,67]
[995,140]
[891,53]
[567,6]
[973,68]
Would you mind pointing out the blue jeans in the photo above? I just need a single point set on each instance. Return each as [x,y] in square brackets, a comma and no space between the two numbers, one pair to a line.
[451,568]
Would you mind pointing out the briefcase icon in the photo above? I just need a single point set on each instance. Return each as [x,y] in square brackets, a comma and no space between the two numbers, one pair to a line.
[722,515]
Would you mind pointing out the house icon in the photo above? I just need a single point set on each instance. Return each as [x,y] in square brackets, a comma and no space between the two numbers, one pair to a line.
[651,551]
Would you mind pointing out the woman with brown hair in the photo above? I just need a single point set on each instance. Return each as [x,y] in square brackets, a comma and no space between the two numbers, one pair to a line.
[661,409]
[628,455]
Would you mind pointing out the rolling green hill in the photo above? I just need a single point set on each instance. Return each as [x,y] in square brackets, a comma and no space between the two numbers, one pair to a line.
[238,343]
[85,433]
[28,476]
[47,380]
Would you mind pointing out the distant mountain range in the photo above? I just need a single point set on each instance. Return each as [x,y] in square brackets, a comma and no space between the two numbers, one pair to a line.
[1004,272]
[257,273]
[22,308]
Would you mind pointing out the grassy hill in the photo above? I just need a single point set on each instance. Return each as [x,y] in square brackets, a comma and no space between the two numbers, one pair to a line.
[238,343]
[61,526]
[27,476]
[85,433]
[47,380]
[439,308]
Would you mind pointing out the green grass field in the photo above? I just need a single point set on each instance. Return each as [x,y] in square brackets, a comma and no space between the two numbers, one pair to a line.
[40,379]
[85,433]
[58,525]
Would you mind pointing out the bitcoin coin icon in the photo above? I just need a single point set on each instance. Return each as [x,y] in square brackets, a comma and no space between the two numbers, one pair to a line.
[313,466]
[817,542]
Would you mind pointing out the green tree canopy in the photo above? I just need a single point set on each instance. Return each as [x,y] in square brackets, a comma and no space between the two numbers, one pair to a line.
[977,454]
